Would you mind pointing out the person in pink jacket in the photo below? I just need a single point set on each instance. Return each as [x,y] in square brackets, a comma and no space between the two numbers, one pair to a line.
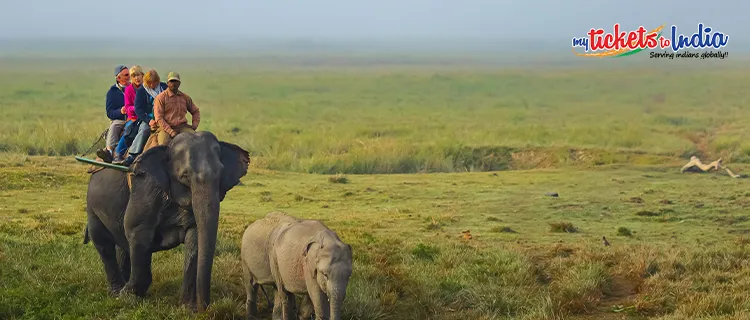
[136,81]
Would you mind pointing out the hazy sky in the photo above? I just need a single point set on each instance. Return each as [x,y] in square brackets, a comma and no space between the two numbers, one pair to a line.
[319,19]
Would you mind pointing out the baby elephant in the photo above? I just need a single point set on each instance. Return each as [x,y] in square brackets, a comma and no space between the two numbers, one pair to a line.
[297,256]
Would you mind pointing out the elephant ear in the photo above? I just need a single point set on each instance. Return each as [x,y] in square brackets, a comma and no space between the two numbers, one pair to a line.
[316,239]
[236,161]
[307,248]
[153,164]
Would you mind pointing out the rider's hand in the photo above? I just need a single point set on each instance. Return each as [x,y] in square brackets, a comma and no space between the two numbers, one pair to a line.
[122,110]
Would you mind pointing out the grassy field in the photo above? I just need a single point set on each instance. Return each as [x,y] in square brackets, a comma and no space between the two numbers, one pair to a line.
[406,120]
[476,238]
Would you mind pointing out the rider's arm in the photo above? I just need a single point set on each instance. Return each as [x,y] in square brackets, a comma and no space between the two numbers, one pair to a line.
[159,105]
[113,110]
[141,105]
[194,111]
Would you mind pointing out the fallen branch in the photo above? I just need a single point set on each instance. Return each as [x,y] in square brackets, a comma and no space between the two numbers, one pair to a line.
[695,165]
[731,174]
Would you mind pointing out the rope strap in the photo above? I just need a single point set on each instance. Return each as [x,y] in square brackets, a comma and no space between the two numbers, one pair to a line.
[101,136]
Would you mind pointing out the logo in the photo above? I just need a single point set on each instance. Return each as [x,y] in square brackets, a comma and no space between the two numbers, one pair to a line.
[619,43]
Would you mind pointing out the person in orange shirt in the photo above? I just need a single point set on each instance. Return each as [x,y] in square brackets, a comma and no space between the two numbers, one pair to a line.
[170,110]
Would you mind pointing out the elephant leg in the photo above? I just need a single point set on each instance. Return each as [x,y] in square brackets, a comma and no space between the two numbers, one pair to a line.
[123,261]
[290,307]
[306,308]
[251,303]
[140,239]
[277,305]
[268,301]
[284,305]
[190,269]
[251,293]
[105,246]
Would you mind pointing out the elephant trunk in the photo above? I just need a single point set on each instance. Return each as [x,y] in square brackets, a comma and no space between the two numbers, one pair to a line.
[206,210]
[336,298]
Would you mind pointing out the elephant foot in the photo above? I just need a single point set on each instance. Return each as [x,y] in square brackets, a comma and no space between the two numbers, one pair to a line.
[131,289]
[126,295]
[115,291]
[253,317]
[127,290]
[190,304]
[192,307]
[115,287]
[276,313]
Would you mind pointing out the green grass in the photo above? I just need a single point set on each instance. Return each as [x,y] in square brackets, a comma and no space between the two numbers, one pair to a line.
[457,243]
[687,262]
[402,120]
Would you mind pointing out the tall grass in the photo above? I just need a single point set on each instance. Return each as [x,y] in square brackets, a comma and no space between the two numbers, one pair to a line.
[686,259]
[401,120]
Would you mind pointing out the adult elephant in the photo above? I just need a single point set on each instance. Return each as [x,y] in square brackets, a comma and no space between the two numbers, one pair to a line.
[170,196]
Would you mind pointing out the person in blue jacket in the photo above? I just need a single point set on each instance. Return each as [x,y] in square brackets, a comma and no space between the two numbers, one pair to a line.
[144,109]
[115,105]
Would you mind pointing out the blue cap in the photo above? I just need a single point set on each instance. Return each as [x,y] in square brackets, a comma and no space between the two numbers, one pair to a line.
[119,68]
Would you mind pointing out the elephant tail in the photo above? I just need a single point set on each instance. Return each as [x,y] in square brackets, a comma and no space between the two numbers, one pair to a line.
[86,234]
